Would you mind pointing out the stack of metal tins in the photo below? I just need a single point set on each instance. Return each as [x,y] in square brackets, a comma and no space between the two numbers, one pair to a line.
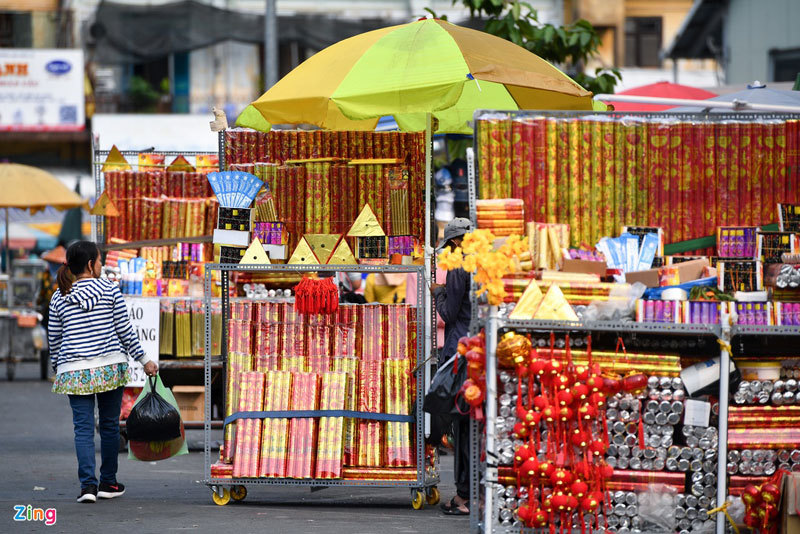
[759,462]
[777,392]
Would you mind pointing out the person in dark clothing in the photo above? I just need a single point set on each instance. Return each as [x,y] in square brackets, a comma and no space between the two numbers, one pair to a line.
[454,307]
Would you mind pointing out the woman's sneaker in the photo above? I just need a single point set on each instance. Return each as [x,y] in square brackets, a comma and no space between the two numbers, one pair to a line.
[109,491]
[88,494]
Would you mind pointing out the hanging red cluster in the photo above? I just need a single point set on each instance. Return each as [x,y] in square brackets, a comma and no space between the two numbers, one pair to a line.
[473,349]
[567,473]
[761,504]
[314,295]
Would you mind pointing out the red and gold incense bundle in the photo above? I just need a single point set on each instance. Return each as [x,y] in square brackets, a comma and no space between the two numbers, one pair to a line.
[302,431]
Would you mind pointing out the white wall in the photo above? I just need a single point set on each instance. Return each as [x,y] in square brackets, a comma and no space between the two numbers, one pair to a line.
[753,28]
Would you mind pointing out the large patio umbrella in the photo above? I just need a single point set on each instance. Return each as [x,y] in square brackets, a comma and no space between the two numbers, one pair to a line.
[756,93]
[25,187]
[410,70]
[661,90]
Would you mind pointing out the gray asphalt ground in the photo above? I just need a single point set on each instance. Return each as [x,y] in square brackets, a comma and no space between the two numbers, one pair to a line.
[38,467]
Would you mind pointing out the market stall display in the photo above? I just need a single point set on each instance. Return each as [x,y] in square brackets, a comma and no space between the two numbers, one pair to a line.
[308,170]
[686,321]
[687,174]
[321,398]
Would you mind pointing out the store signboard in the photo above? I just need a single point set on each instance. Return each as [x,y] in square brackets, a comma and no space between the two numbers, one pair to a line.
[41,89]
[144,314]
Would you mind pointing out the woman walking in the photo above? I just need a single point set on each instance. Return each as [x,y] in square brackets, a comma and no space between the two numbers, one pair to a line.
[91,338]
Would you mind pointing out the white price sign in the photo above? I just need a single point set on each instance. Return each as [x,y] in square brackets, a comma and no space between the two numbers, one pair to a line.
[42,89]
[144,314]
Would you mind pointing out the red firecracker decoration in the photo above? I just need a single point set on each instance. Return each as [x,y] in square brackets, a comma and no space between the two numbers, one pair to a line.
[314,295]
[564,473]
[761,504]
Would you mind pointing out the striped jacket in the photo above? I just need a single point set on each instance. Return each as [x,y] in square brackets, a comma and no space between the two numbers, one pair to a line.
[89,327]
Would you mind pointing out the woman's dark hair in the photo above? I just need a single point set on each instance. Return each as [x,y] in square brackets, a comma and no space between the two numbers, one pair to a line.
[79,255]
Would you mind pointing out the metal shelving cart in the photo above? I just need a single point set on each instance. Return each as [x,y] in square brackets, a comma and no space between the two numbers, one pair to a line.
[423,487]
[483,522]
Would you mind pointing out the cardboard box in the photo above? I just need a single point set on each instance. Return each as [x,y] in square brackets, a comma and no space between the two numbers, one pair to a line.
[686,272]
[236,238]
[275,252]
[191,402]
[789,511]
[585,266]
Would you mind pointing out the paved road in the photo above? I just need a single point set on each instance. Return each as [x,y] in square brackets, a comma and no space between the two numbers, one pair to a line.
[38,467]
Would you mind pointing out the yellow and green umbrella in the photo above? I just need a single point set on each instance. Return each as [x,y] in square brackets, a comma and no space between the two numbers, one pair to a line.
[410,70]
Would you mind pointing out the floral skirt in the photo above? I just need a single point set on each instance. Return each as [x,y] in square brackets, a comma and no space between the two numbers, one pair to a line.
[91,381]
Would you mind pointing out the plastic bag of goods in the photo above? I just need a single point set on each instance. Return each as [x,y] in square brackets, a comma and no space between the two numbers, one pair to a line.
[154,426]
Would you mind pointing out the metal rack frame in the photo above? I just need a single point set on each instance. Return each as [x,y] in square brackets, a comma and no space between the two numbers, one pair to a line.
[422,482]
[724,332]
[99,184]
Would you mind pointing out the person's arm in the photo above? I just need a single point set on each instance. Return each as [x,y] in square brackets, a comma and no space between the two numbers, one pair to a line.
[369,289]
[127,336]
[53,335]
[451,295]
[355,280]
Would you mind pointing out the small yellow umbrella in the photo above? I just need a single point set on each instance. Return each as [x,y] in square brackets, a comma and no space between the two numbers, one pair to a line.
[28,188]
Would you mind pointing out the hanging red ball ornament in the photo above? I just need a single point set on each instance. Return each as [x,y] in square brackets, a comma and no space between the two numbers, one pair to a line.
[553,367]
[462,345]
[594,383]
[751,496]
[580,391]
[560,502]
[597,447]
[540,402]
[770,493]
[581,373]
[521,412]
[565,414]
[565,397]
[540,518]
[547,504]
[525,514]
[529,470]
[532,418]
[579,438]
[522,453]
[587,412]
[579,488]
[562,381]
[549,414]
[546,469]
[522,371]
[572,502]
[521,430]
[536,367]
[561,478]
[590,503]
[598,399]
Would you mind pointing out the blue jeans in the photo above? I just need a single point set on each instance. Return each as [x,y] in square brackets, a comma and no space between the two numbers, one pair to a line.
[108,404]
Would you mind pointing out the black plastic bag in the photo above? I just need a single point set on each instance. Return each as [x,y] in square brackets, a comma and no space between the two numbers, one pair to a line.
[153,418]
[442,397]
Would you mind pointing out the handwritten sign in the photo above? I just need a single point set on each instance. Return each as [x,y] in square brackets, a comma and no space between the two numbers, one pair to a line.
[144,314]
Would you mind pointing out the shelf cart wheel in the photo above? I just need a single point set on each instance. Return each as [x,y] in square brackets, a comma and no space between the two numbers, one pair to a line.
[432,496]
[221,496]
[238,493]
[417,499]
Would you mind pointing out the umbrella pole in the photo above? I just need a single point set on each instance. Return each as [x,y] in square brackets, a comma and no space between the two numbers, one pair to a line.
[8,255]
[430,322]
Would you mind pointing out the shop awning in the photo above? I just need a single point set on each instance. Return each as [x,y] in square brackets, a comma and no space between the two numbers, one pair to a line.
[125,33]
[700,35]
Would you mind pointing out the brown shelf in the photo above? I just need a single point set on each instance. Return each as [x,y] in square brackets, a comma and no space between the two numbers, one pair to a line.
[156,242]
[189,363]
